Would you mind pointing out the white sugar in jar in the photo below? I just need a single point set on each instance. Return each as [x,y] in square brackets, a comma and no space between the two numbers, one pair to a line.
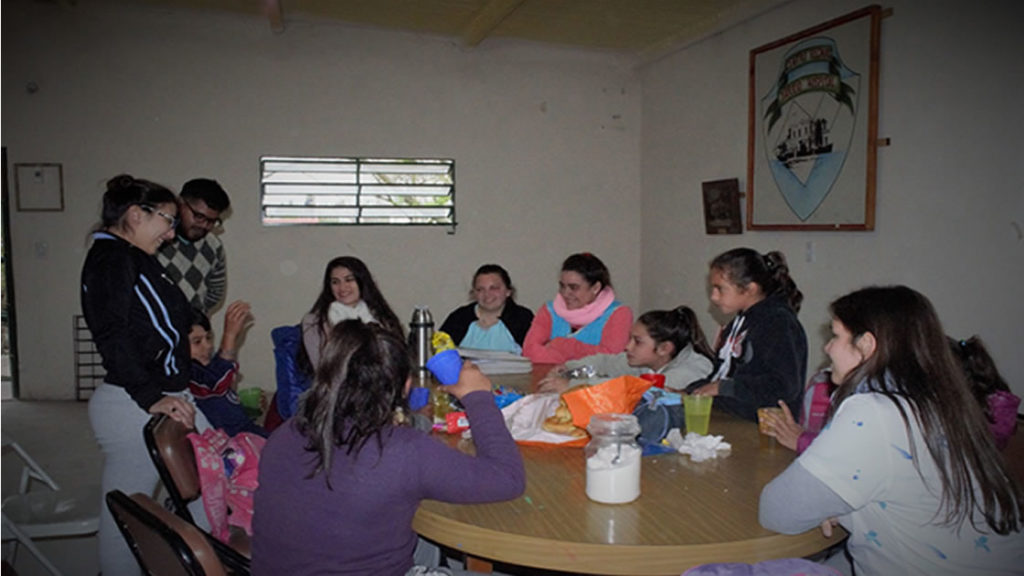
[613,458]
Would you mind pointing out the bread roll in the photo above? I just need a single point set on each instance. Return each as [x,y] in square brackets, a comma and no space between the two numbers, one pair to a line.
[561,422]
[564,428]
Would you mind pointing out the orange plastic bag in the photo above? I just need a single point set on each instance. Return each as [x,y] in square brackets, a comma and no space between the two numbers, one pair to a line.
[616,396]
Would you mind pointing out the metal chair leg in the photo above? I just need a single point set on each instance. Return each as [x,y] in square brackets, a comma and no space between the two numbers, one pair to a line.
[22,540]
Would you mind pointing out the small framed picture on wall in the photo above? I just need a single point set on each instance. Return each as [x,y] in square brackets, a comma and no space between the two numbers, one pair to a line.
[39,187]
[722,207]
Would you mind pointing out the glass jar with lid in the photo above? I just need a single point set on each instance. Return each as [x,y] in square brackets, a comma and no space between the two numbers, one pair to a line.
[613,458]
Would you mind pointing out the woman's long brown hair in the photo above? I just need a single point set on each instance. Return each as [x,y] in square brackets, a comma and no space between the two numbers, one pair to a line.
[912,361]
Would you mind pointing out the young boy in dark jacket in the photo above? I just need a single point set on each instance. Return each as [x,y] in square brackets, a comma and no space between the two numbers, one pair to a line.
[212,380]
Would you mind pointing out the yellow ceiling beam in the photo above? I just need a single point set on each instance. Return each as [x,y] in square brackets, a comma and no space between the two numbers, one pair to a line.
[275,14]
[487,19]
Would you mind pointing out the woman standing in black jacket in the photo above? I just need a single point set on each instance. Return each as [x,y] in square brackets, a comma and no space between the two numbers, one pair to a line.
[140,322]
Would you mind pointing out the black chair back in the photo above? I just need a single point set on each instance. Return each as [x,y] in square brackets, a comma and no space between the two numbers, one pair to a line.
[175,461]
[163,543]
[171,452]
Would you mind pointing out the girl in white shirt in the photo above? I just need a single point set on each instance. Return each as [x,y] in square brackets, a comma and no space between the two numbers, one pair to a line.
[906,463]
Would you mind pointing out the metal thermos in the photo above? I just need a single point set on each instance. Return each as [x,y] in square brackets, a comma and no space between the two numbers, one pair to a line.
[421,333]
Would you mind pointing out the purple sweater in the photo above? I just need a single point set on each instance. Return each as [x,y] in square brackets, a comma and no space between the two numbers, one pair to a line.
[364,525]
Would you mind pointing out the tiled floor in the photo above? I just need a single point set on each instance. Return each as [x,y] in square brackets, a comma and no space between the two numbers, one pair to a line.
[58,436]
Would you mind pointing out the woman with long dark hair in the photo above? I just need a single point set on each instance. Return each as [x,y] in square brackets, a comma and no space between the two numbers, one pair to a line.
[340,482]
[348,292]
[907,463]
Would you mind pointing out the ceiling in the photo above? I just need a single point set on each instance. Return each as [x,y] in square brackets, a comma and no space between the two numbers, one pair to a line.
[643,28]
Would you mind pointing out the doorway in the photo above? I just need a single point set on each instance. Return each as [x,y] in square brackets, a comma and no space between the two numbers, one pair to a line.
[9,369]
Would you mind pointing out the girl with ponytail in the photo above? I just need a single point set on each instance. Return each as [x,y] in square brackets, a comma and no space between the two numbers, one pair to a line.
[762,351]
[668,342]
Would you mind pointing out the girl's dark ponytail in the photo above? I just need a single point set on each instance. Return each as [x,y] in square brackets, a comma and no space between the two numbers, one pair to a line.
[357,390]
[775,262]
[678,326]
[769,271]
[688,318]
[979,367]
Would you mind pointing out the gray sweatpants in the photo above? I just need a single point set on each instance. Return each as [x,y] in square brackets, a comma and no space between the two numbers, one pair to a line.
[117,422]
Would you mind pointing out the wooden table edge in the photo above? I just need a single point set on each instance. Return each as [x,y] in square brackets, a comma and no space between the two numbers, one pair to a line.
[622,559]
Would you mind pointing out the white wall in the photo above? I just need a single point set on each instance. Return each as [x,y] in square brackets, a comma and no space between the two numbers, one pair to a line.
[950,207]
[549,156]
[546,143]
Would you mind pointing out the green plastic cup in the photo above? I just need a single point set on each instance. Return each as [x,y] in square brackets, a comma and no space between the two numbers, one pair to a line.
[697,410]
[250,399]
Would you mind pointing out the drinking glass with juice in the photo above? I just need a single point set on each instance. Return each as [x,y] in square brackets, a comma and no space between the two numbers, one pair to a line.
[697,411]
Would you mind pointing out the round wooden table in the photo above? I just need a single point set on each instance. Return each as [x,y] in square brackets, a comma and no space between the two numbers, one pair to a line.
[688,513]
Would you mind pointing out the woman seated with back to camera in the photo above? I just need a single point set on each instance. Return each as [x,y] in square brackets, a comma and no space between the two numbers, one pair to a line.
[340,482]
[583,319]
[493,321]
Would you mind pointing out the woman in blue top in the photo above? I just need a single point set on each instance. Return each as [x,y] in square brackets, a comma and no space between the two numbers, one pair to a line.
[493,321]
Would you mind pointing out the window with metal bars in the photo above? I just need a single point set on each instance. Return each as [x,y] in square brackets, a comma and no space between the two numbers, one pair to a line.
[357,191]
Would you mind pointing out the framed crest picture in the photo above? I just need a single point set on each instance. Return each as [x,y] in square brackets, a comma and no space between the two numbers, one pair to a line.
[813,130]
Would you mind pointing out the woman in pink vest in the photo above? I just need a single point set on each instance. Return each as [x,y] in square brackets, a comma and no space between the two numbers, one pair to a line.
[583,319]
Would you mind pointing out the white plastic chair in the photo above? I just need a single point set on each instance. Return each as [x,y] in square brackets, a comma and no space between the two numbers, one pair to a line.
[52,513]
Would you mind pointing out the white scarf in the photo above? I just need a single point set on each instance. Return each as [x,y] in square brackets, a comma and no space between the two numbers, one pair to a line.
[339,312]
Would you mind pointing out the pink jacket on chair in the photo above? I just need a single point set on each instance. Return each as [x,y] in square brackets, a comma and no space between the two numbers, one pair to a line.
[228,477]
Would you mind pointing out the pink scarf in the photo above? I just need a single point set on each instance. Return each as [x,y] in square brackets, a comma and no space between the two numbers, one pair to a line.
[586,314]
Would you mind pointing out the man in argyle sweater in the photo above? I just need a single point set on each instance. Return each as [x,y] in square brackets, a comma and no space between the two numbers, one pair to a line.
[195,259]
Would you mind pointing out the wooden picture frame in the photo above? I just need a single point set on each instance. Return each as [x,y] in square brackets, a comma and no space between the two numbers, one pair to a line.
[39,187]
[813,127]
[722,206]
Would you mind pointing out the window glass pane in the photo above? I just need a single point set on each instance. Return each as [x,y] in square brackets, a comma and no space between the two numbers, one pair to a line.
[298,190]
